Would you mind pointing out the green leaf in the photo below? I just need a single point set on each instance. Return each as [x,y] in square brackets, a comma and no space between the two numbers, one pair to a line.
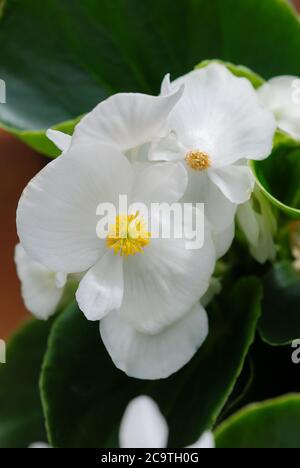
[280,322]
[60,58]
[84,395]
[279,175]
[241,391]
[37,139]
[21,416]
[272,424]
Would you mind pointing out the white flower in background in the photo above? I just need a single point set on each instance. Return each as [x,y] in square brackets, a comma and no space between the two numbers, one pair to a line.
[143,426]
[258,223]
[39,445]
[42,289]
[206,441]
[215,127]
[296,263]
[282,96]
[152,322]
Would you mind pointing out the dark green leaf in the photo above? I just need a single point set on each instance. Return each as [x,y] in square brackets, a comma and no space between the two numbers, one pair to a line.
[21,416]
[85,396]
[272,424]
[60,58]
[280,322]
[275,373]
[241,391]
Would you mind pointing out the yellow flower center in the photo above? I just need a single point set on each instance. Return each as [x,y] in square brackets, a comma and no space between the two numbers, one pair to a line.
[129,235]
[198,160]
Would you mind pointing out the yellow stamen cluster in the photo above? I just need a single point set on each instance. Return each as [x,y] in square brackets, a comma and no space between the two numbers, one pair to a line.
[198,160]
[128,236]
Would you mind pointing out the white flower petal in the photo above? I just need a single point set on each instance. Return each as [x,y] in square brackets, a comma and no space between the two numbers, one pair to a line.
[154,356]
[126,120]
[282,96]
[221,114]
[143,425]
[265,249]
[259,227]
[219,211]
[235,182]
[60,139]
[61,279]
[56,216]
[166,87]
[206,441]
[101,289]
[167,148]
[159,183]
[248,222]
[162,285]
[39,288]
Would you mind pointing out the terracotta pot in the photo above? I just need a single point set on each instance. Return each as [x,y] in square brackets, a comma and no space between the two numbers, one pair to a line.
[18,164]
[297,4]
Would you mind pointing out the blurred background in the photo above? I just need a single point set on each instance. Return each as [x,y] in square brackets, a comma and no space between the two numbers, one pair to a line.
[18,164]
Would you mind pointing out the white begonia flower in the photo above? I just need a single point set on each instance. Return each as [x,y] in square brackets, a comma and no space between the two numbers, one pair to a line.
[146,292]
[42,289]
[107,121]
[216,126]
[282,96]
[258,223]
[143,426]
